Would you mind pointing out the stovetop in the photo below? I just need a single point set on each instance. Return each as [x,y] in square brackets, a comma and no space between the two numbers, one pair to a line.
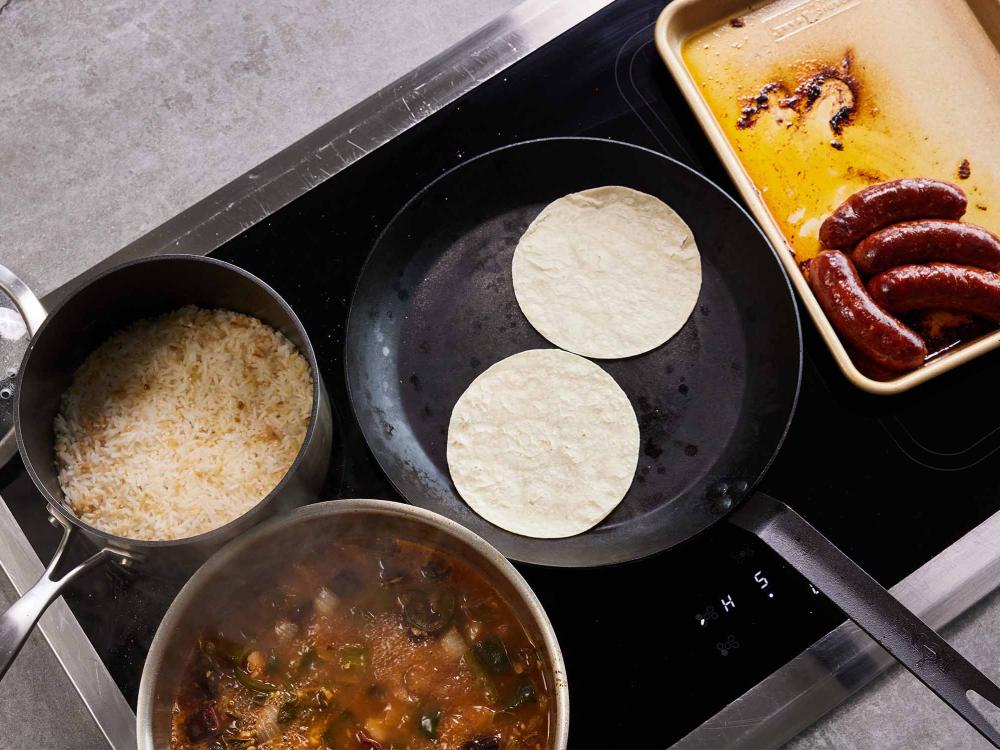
[653,648]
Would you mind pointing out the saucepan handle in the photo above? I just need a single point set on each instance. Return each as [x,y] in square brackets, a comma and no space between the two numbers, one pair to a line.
[24,299]
[34,314]
[916,646]
[19,619]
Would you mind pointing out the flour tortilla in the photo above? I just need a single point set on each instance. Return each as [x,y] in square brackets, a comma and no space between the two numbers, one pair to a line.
[544,444]
[608,272]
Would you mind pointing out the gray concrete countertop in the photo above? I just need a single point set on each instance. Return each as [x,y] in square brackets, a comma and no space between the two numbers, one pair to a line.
[118,114]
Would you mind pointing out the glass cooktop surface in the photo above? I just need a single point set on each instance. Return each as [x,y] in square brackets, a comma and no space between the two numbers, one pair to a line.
[653,648]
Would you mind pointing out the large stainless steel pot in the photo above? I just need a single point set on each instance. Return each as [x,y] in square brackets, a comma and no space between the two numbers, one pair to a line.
[237,571]
[62,339]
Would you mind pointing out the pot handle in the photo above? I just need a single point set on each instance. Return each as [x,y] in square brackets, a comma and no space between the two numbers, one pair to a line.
[18,621]
[916,646]
[33,314]
[24,299]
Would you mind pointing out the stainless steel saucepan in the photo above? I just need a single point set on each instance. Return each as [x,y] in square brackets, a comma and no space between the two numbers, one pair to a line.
[62,339]
[235,574]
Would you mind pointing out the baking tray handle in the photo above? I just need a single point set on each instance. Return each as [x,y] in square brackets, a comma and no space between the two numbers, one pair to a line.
[916,646]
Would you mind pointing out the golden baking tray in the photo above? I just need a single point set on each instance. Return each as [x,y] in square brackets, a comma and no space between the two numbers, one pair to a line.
[925,75]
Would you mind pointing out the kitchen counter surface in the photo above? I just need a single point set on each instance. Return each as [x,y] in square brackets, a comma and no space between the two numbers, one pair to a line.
[118,114]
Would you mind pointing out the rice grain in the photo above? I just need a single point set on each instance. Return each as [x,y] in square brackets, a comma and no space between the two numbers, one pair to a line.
[180,424]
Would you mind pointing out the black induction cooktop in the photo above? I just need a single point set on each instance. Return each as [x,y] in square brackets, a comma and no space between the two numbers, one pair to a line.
[653,648]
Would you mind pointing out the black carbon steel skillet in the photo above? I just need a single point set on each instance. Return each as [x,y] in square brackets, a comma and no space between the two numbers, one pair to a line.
[435,307]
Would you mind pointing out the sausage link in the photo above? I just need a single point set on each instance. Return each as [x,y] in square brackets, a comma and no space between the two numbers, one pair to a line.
[938,286]
[857,318]
[922,241]
[888,203]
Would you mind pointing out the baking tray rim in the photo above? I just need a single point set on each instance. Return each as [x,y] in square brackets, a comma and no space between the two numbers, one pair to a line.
[671,30]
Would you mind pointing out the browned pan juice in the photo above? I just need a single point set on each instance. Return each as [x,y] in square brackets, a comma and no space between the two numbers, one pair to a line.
[367,646]
[820,99]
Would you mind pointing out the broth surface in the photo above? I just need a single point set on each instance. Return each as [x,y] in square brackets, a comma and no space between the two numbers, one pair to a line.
[371,646]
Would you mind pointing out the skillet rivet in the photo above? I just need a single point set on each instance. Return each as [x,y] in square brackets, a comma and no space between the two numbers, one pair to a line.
[53,521]
[721,505]
[740,487]
[718,490]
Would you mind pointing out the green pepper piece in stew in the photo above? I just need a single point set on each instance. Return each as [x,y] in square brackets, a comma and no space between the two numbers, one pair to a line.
[222,652]
[252,682]
[290,708]
[306,660]
[428,722]
[231,655]
[522,694]
[483,677]
[491,654]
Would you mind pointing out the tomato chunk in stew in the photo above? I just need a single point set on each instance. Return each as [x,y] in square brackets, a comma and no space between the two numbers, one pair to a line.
[366,648]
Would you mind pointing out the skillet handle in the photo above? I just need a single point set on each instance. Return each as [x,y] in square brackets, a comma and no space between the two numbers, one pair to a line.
[900,632]
[18,621]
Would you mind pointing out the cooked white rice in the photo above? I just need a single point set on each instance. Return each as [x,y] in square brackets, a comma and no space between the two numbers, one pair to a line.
[179,424]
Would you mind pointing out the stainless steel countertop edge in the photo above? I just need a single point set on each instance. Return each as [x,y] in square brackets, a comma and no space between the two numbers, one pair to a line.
[242,203]
[846,659]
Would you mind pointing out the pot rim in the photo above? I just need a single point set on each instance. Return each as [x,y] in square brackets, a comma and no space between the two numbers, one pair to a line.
[352,507]
[127,545]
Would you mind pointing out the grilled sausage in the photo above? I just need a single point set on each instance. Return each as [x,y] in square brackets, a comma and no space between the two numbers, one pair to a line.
[938,286]
[921,241]
[870,329]
[888,203]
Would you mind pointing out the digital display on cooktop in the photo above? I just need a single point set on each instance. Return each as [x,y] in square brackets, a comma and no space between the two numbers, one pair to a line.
[655,647]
